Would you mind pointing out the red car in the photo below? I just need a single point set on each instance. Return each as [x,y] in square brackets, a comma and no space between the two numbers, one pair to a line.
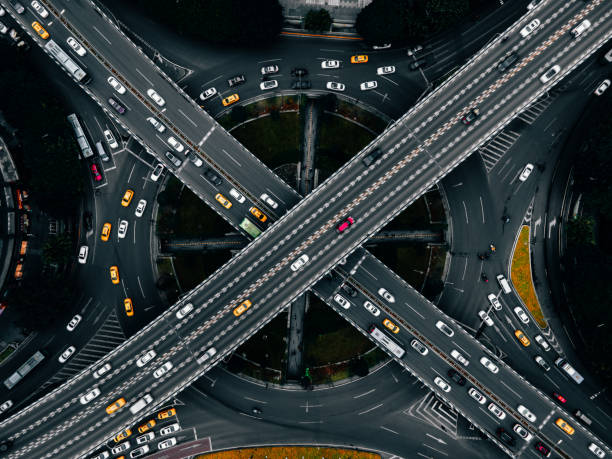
[96,174]
[559,397]
[345,224]
[543,449]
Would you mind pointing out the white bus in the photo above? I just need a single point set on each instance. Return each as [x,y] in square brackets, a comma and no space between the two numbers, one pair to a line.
[24,369]
[66,61]
[570,370]
[387,342]
[80,136]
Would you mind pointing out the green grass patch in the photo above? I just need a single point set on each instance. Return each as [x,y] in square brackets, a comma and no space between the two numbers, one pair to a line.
[521,277]
[274,142]
[267,347]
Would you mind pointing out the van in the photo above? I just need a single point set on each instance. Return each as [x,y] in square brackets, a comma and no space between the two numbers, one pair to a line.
[140,404]
[507,62]
[581,28]
[570,370]
[503,283]
[580,415]
[101,151]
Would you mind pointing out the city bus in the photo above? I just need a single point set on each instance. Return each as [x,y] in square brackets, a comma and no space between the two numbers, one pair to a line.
[24,369]
[86,150]
[66,61]
[387,342]
[250,228]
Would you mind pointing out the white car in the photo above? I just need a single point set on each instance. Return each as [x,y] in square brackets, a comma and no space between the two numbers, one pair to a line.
[419,347]
[335,86]
[76,46]
[159,100]
[270,69]
[485,318]
[497,411]
[542,342]
[489,365]
[237,196]
[178,146]
[165,368]
[442,384]
[121,447]
[66,354]
[550,73]
[383,46]
[181,313]
[530,28]
[74,322]
[367,85]
[332,64]
[89,396]
[605,84]
[388,70]
[445,329]
[596,450]
[522,432]
[459,357]
[5,406]
[146,358]
[139,452]
[370,307]
[40,9]
[2,11]
[166,443]
[159,127]
[342,301]
[386,295]
[206,355]
[271,84]
[116,85]
[477,396]
[169,429]
[3,28]
[299,263]
[526,172]
[525,412]
[521,314]
[140,208]
[145,438]
[208,93]
[157,172]
[123,226]
[533,4]
[102,371]
[494,301]
[83,251]
[110,138]
[268,200]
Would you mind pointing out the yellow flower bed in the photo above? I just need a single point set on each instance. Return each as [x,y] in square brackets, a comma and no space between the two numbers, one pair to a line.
[290,452]
[521,277]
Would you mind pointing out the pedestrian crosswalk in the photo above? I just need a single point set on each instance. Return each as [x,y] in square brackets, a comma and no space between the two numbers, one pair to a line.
[107,338]
[433,411]
[531,113]
[497,147]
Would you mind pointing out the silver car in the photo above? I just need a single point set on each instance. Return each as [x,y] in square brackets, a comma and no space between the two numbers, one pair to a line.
[123,226]
[166,443]
[165,368]
[268,200]
[385,70]
[459,357]
[342,301]
[159,100]
[89,396]
[208,93]
[178,146]
[367,85]
[40,9]
[530,28]
[370,307]
[335,86]
[74,322]
[102,370]
[489,365]
[159,127]
[299,263]
[419,347]
[386,295]
[146,358]
[173,159]
[76,46]
[140,208]
[331,64]
[66,354]
[116,85]
[181,313]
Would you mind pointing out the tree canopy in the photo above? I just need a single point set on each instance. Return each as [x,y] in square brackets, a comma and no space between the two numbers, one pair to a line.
[317,20]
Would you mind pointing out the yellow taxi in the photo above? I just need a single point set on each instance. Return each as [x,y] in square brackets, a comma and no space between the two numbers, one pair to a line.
[40,30]
[522,338]
[223,200]
[129,307]
[359,59]
[106,230]
[114,274]
[259,215]
[391,326]
[166,414]
[147,426]
[565,426]
[123,435]
[127,198]
[246,304]
[230,100]
[110,409]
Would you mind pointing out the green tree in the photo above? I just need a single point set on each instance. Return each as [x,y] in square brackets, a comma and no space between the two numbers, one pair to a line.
[384,21]
[580,231]
[58,250]
[317,20]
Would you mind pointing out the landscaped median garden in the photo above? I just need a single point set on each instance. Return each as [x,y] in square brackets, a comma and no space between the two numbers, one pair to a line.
[291,452]
[522,279]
